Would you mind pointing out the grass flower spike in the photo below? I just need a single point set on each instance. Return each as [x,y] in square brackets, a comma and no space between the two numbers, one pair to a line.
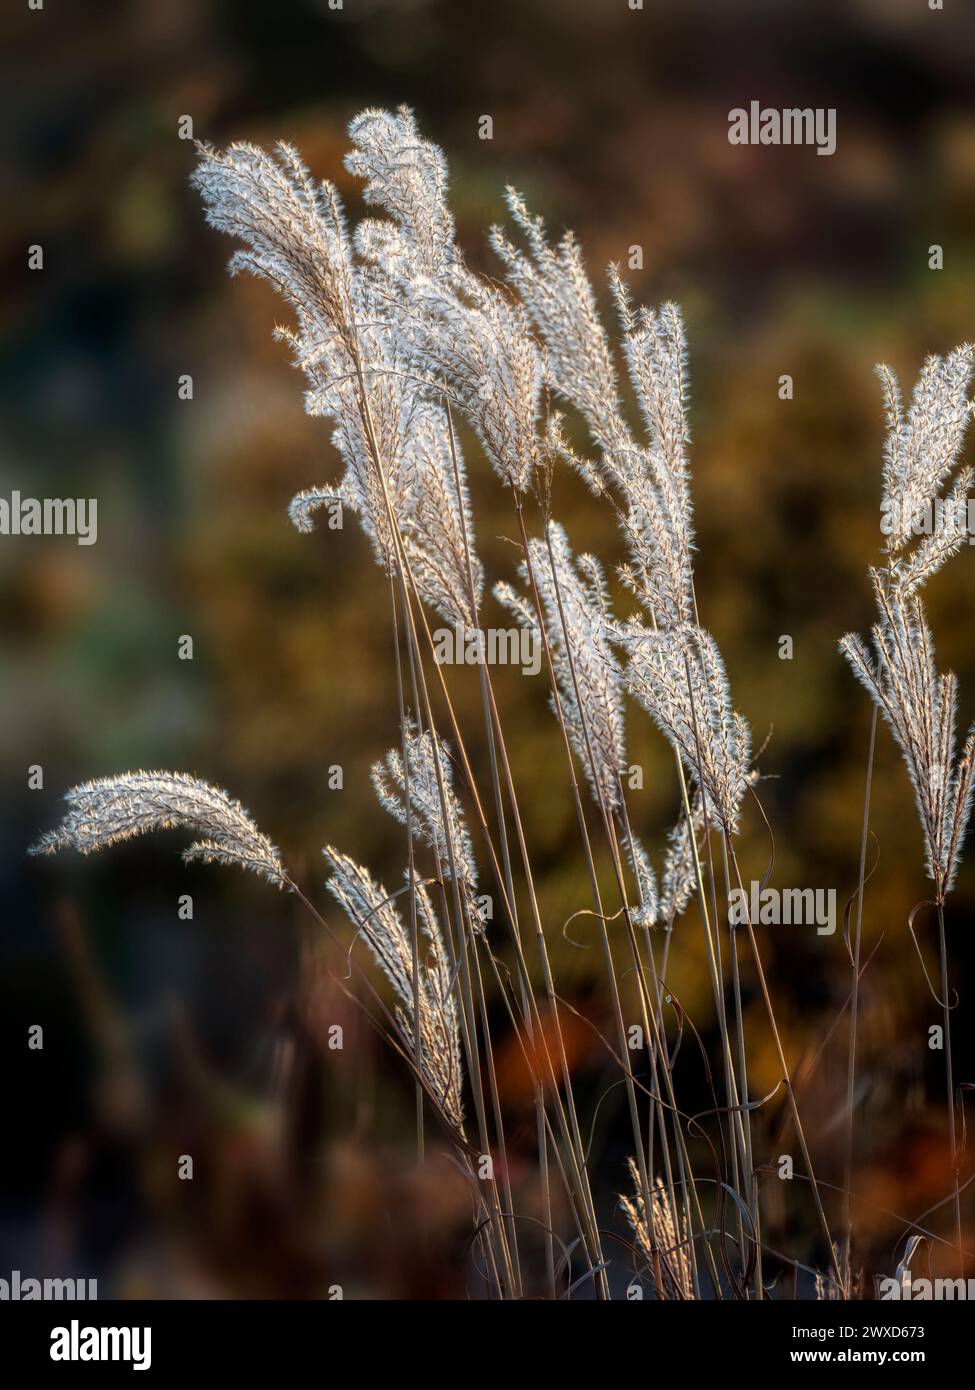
[114,809]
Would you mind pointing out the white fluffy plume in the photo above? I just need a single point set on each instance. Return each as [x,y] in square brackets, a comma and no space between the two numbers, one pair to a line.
[114,809]
[374,913]
[921,453]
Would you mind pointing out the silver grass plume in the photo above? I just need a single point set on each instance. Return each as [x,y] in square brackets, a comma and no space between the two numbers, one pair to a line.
[679,881]
[649,479]
[922,448]
[415,790]
[827,1289]
[675,671]
[406,176]
[578,624]
[660,1234]
[476,340]
[556,291]
[647,912]
[460,333]
[373,912]
[438,525]
[304,505]
[921,451]
[113,809]
[298,241]
[358,365]
[920,706]
[433,514]
[909,572]
[677,675]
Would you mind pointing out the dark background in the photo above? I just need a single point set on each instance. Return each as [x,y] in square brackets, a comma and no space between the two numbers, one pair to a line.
[165,1037]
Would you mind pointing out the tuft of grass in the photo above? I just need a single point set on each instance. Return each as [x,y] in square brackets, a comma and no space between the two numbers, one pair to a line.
[397,339]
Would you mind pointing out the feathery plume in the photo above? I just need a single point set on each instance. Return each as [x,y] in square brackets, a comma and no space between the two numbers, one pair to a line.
[949,532]
[650,480]
[646,914]
[305,504]
[920,707]
[921,451]
[401,467]
[405,175]
[660,1235]
[556,291]
[113,809]
[438,526]
[373,912]
[679,881]
[578,624]
[415,789]
[677,675]
[827,1289]
[461,334]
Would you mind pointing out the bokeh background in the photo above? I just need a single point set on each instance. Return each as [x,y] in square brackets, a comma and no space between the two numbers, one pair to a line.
[163,1036]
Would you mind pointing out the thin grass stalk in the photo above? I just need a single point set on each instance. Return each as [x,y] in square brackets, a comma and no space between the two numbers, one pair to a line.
[538,1095]
[391,1038]
[711,937]
[466,929]
[581,1178]
[498,1118]
[786,1075]
[753,1206]
[594,883]
[570,1123]
[402,568]
[659,1049]
[655,1116]
[473,1004]
[949,1083]
[737,1148]
[698,879]
[414,928]
[579,1187]
[743,1091]
[537,1092]
[466,994]
[651,1031]
[646,1171]
[658,984]
[530,1058]
[854,1015]
[579,1159]
[657,1110]
[705,918]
